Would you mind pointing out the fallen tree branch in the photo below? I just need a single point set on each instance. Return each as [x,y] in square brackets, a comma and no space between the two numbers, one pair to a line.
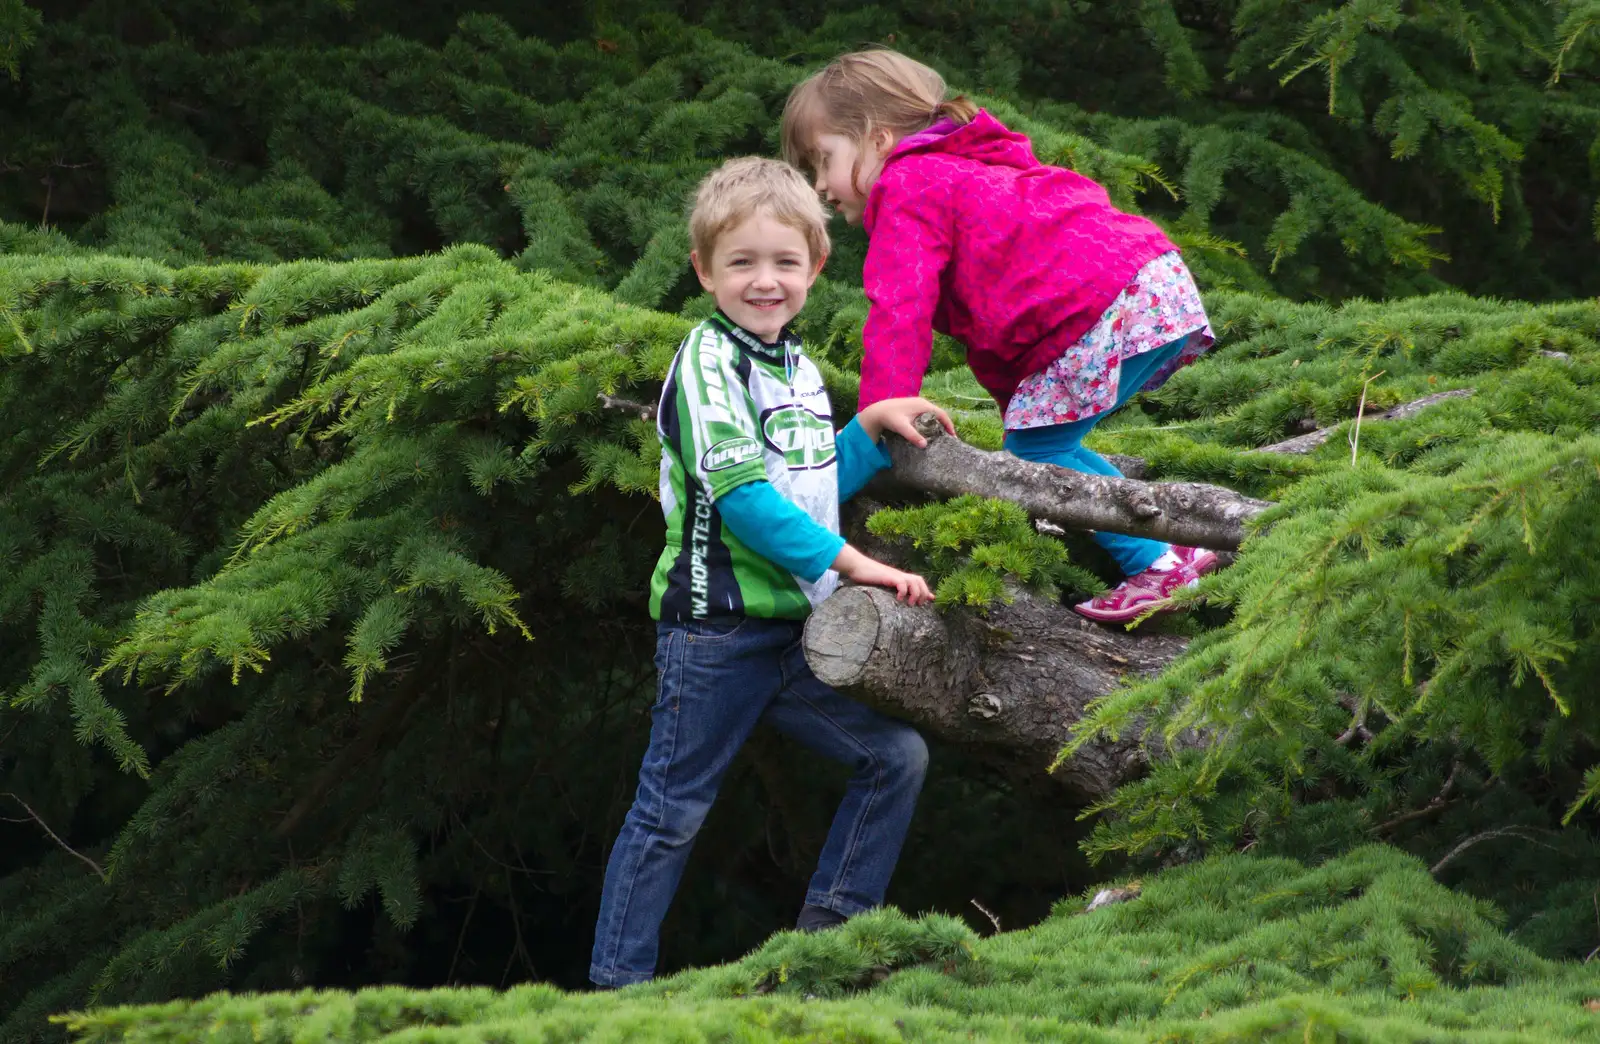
[1138,468]
[1009,684]
[1308,442]
[1187,513]
[1131,467]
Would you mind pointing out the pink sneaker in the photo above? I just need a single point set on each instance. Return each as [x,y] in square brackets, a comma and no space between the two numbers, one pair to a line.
[1198,559]
[1142,592]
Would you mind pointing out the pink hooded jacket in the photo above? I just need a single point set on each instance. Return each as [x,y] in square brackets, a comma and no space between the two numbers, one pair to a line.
[974,237]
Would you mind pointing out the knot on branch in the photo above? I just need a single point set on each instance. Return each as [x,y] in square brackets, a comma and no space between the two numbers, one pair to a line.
[928,426]
[644,411]
[985,706]
[1143,508]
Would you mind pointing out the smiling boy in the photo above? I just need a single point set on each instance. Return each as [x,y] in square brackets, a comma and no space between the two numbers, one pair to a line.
[752,474]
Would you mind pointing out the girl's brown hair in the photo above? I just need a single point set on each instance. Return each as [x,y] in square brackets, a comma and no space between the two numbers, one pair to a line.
[863,92]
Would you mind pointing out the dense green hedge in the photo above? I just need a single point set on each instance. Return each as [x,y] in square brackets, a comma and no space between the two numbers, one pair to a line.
[1365,949]
[295,131]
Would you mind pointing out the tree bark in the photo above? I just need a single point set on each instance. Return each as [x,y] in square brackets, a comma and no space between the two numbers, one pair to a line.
[1008,685]
[1011,683]
[1131,467]
[1187,513]
[1310,441]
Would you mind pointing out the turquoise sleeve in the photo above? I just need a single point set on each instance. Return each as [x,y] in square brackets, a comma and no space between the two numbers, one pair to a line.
[778,531]
[859,458]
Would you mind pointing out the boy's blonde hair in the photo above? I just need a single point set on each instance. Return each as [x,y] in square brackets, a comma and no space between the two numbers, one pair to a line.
[742,188]
[863,92]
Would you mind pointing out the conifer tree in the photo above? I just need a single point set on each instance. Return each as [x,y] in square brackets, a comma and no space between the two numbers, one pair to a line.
[307,482]
[285,533]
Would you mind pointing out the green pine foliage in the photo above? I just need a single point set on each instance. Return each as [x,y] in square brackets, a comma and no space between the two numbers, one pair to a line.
[1356,147]
[295,557]
[323,658]
[267,524]
[576,157]
[975,547]
[226,487]
[1420,605]
[1365,948]
[19,26]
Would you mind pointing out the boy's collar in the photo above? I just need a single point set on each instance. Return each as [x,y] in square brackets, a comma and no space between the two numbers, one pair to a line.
[786,342]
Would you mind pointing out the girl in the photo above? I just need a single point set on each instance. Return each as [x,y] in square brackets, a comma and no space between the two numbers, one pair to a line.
[1068,307]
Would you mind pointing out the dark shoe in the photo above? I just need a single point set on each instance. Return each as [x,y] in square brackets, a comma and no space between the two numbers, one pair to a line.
[817,918]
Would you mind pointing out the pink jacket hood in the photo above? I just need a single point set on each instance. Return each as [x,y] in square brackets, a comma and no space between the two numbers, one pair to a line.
[985,139]
[972,236]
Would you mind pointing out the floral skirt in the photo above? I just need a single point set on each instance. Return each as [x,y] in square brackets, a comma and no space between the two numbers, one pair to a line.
[1159,305]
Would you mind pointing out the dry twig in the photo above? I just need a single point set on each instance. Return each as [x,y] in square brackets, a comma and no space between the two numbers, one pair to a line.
[1489,835]
[988,913]
[1361,410]
[643,410]
[57,837]
[1437,803]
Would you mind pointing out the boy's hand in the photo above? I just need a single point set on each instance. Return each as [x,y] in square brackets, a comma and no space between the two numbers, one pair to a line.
[908,587]
[899,416]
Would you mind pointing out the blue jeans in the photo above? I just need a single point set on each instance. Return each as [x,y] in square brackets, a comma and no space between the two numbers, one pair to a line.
[1062,444]
[717,679]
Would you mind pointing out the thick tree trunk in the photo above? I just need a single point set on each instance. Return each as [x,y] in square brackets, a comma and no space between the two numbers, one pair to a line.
[1188,513]
[1008,685]
[1012,683]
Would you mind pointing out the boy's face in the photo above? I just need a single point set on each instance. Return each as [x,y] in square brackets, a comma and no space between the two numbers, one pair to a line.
[759,271]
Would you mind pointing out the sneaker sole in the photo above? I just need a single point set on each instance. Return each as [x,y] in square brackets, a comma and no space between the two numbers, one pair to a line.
[1118,615]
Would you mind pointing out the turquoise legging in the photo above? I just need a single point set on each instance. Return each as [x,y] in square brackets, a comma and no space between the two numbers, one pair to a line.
[1062,444]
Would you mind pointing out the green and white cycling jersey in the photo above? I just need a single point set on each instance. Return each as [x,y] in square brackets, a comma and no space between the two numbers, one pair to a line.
[735,410]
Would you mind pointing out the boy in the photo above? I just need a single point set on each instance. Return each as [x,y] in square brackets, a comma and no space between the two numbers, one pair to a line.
[752,474]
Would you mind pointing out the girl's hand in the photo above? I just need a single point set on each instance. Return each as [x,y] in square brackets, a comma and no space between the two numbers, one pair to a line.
[899,416]
[908,587]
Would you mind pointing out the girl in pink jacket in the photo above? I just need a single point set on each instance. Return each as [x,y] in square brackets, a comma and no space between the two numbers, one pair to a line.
[1067,306]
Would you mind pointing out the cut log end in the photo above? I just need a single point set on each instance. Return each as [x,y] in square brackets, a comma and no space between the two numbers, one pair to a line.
[1007,684]
[839,643]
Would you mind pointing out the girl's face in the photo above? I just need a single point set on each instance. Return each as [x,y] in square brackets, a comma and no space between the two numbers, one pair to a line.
[837,159]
